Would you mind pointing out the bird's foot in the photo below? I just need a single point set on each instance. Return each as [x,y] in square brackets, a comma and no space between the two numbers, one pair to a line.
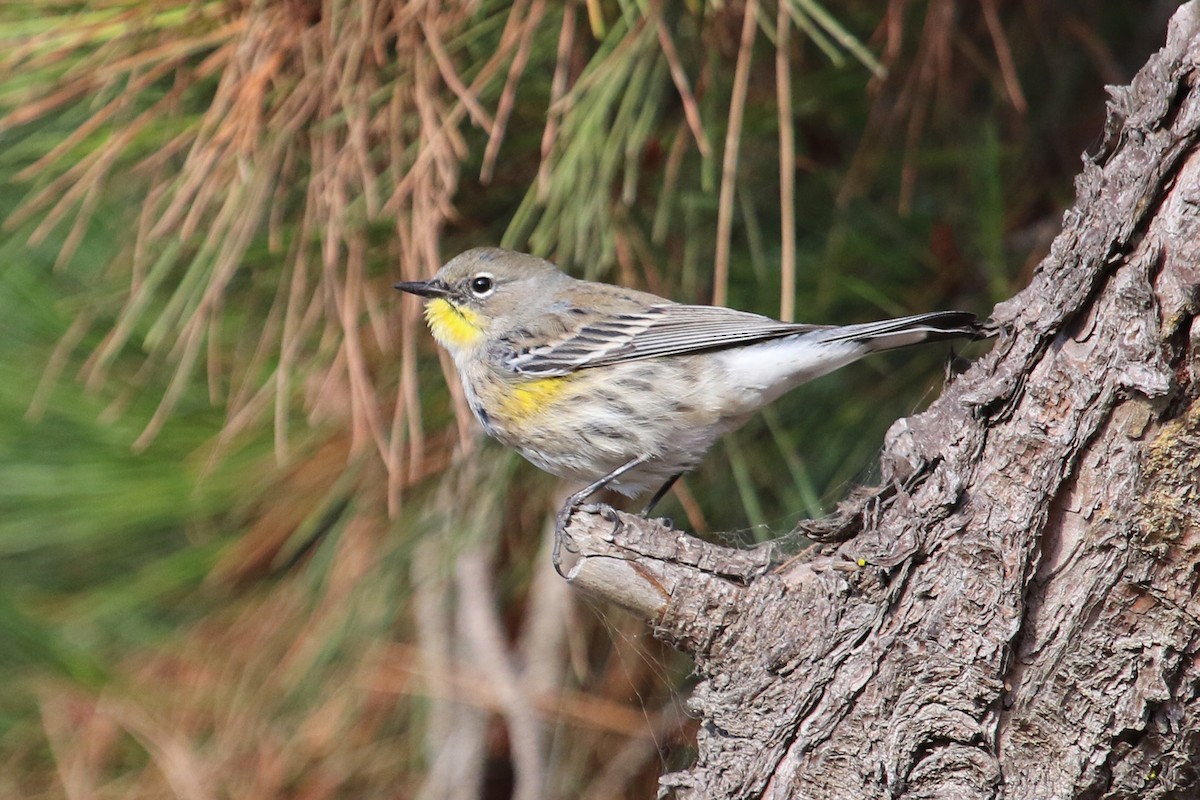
[575,504]
[561,521]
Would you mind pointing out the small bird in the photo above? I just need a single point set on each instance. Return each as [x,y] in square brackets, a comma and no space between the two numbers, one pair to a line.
[621,388]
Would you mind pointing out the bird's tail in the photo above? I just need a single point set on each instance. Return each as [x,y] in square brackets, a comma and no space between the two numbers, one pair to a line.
[888,334]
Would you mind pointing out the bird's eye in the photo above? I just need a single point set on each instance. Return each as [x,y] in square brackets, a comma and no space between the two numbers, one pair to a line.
[482,285]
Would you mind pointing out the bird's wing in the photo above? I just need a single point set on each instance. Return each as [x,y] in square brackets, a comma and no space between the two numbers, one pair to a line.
[658,330]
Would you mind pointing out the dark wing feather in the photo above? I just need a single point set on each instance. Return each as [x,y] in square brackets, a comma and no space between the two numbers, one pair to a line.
[660,330]
[919,327]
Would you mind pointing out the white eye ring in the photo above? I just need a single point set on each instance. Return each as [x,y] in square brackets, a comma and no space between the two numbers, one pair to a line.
[482,284]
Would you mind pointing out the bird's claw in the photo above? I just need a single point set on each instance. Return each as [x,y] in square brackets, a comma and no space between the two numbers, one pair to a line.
[609,514]
[574,504]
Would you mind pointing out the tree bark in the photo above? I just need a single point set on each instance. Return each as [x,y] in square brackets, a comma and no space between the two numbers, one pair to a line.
[1013,614]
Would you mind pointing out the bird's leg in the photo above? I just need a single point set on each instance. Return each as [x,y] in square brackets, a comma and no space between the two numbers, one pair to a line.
[575,500]
[660,494]
[598,484]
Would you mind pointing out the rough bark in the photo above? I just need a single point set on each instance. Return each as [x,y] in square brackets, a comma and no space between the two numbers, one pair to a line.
[1013,613]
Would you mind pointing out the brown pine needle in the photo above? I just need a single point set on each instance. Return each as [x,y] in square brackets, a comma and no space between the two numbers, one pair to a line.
[508,97]
[57,362]
[400,669]
[737,109]
[1012,83]
[558,88]
[787,168]
[469,98]
[691,109]
[191,340]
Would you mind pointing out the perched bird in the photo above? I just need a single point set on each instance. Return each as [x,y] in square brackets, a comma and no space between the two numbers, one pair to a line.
[621,388]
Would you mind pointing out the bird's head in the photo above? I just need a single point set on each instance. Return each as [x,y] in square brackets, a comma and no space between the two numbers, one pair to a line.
[482,292]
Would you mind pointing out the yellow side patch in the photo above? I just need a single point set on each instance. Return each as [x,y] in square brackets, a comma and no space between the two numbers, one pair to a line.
[454,328]
[530,398]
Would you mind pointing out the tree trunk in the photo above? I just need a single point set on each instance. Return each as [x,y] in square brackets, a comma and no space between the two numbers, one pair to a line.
[1013,613]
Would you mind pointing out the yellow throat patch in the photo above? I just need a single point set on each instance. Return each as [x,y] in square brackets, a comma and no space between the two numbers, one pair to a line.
[454,328]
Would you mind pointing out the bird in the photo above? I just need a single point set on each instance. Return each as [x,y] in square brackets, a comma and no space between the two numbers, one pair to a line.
[619,388]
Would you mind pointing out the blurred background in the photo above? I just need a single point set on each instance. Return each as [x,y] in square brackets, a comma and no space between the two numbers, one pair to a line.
[251,544]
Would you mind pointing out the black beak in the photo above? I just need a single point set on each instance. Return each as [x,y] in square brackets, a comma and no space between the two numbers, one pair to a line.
[430,288]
